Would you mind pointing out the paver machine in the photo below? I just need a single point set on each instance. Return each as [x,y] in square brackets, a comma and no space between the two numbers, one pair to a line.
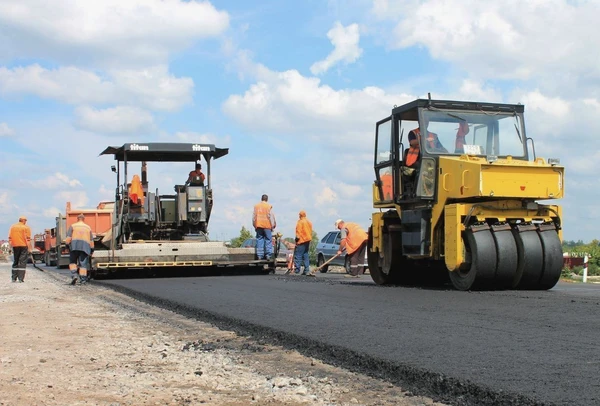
[153,230]
[471,209]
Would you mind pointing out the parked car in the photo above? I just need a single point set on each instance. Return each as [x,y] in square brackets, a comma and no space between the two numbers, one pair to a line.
[328,247]
[281,256]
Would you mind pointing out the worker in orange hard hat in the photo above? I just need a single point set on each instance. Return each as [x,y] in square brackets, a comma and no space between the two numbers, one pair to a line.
[354,241]
[303,239]
[81,248]
[19,238]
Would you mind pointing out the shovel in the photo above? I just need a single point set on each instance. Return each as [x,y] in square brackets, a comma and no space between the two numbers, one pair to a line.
[325,263]
[33,263]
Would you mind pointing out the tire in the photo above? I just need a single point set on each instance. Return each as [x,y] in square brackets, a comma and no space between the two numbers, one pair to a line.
[553,259]
[507,258]
[320,262]
[347,264]
[530,258]
[482,268]
[382,271]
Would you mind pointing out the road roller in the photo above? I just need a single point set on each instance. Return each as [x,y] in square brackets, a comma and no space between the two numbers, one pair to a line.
[461,197]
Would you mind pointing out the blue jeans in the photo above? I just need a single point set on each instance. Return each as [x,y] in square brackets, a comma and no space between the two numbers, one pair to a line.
[301,257]
[264,245]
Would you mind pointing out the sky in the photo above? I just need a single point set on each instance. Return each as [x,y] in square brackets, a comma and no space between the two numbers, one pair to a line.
[292,88]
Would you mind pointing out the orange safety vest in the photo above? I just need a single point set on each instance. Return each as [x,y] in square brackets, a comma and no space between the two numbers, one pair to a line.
[463,130]
[261,218]
[81,232]
[303,230]
[195,173]
[386,186]
[136,192]
[413,152]
[355,237]
[19,235]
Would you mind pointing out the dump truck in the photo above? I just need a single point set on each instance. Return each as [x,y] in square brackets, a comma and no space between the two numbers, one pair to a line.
[471,209]
[165,230]
[39,247]
[99,219]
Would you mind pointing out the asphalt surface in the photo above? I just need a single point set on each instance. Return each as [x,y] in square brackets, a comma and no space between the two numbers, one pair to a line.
[463,348]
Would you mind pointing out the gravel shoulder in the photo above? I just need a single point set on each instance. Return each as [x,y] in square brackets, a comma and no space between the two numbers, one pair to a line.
[89,345]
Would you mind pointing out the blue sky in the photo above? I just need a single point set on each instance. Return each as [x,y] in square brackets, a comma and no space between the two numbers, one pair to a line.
[292,88]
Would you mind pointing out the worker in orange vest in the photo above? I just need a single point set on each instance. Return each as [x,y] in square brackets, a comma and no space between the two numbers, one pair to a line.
[263,221]
[81,248]
[19,238]
[303,239]
[354,241]
[411,162]
[196,177]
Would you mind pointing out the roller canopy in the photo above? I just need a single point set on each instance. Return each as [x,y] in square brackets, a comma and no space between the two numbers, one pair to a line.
[165,152]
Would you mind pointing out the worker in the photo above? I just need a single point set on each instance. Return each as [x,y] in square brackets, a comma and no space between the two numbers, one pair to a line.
[290,256]
[263,221]
[461,133]
[81,248]
[196,177]
[354,241]
[136,192]
[303,239]
[19,238]
[413,156]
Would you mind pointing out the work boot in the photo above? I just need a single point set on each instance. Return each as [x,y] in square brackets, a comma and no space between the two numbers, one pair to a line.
[73,281]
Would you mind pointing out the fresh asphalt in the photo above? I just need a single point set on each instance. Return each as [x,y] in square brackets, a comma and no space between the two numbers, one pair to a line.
[475,348]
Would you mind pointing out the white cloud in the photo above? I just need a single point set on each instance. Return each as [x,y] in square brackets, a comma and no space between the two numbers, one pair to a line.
[115,120]
[5,130]
[345,42]
[325,196]
[120,33]
[292,103]
[51,212]
[502,39]
[55,181]
[78,199]
[191,136]
[152,87]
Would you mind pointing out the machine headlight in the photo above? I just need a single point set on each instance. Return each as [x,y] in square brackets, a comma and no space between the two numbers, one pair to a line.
[553,161]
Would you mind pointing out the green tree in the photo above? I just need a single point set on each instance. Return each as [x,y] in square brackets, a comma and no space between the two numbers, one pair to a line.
[312,250]
[244,235]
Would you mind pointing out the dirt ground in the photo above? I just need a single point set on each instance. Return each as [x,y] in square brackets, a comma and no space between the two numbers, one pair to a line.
[88,345]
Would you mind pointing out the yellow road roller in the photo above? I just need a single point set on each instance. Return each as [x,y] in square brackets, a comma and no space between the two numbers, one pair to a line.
[461,196]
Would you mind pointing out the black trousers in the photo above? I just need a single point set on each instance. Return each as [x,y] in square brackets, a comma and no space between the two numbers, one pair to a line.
[357,260]
[20,263]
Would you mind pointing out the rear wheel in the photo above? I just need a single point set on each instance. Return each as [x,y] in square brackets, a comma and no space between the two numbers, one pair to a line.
[382,269]
[480,267]
[320,262]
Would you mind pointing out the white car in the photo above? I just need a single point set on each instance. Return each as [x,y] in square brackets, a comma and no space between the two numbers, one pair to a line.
[328,247]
